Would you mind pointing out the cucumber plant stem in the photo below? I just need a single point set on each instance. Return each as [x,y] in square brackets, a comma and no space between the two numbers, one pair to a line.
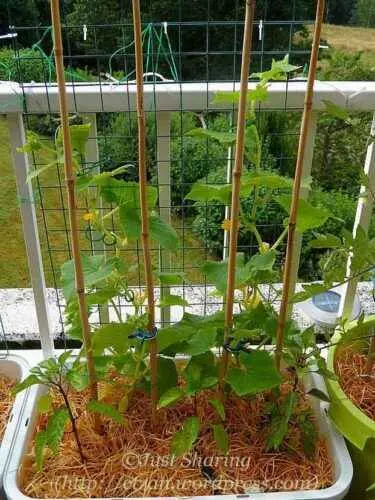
[236,186]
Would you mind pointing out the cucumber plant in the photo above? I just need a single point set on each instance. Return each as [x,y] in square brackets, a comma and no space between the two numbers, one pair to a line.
[262,185]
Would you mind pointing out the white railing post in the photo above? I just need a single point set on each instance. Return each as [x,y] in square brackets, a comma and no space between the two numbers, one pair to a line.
[304,193]
[163,159]
[92,158]
[30,230]
[363,219]
[230,156]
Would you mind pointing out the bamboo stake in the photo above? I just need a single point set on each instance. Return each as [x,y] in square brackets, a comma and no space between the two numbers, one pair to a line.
[143,203]
[72,203]
[236,184]
[297,180]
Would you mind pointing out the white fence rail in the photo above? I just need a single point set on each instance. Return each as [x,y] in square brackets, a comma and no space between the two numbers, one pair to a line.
[162,99]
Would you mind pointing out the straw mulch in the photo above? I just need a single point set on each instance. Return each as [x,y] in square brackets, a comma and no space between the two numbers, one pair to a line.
[358,385]
[133,460]
[6,402]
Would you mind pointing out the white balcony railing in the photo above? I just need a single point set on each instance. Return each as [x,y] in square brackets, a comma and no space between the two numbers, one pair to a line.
[163,99]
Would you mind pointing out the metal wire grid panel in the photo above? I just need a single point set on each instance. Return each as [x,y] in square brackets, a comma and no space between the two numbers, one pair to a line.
[191,51]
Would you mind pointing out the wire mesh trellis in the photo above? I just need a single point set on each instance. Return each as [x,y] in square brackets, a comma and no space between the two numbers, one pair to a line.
[180,49]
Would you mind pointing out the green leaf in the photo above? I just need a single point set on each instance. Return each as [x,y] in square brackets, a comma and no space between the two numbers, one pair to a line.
[87,180]
[27,382]
[167,374]
[308,292]
[63,358]
[40,444]
[203,193]
[260,94]
[263,179]
[106,410]
[174,335]
[164,234]
[252,145]
[317,393]
[201,372]
[78,376]
[258,374]
[326,241]
[371,488]
[281,414]
[226,98]
[101,296]
[172,300]
[217,272]
[49,366]
[283,65]
[32,145]
[221,438]
[124,192]
[262,262]
[184,439]
[224,138]
[37,171]
[55,429]
[170,397]
[337,111]
[171,278]
[113,335]
[45,403]
[130,221]
[95,269]
[218,407]
[308,216]
[309,433]
[278,70]
[79,136]
[201,342]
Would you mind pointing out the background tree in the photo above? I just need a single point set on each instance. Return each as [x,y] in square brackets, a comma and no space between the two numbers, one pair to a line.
[364,13]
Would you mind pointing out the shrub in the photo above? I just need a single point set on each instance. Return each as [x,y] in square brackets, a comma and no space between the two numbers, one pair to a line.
[26,65]
[343,208]
[338,65]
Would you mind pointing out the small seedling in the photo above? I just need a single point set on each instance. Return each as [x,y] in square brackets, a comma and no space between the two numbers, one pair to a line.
[55,374]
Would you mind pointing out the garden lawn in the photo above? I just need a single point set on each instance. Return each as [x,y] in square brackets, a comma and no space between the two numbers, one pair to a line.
[351,39]
[13,263]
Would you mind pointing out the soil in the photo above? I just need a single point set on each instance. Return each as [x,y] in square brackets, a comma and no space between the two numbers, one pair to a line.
[6,402]
[134,459]
[358,385]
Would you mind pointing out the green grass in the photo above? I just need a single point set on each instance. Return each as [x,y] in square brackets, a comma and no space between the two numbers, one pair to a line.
[13,264]
[351,39]
[52,224]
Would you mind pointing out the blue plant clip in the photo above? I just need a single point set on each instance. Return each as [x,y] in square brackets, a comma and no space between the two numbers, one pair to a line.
[240,346]
[129,295]
[143,335]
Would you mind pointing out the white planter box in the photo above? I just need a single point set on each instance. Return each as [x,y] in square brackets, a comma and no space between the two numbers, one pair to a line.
[14,367]
[343,470]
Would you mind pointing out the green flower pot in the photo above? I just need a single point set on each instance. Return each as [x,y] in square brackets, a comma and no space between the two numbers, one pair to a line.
[356,426]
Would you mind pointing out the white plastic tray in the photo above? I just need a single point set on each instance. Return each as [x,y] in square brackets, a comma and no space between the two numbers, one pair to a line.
[14,367]
[343,470]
